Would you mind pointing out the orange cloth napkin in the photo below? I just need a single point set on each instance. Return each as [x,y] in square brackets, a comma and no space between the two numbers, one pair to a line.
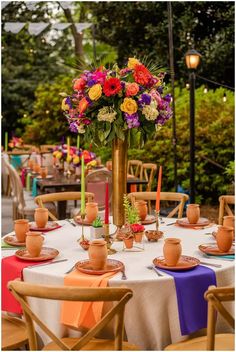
[83,314]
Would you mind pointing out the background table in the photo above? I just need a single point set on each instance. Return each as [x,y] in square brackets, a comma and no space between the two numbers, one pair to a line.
[151,318]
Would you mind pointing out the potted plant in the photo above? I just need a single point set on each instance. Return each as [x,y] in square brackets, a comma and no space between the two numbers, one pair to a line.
[132,218]
[96,230]
[128,239]
[138,231]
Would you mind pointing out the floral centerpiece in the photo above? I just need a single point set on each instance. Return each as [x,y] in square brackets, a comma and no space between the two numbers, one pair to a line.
[60,152]
[16,142]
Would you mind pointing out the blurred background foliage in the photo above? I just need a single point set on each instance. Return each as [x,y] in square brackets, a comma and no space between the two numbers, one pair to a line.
[36,69]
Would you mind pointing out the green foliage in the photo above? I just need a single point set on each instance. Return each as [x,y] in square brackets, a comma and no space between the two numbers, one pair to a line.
[230,170]
[97,222]
[131,213]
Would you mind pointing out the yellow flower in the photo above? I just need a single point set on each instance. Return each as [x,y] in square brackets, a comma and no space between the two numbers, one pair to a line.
[64,106]
[68,159]
[95,92]
[129,105]
[59,155]
[76,159]
[132,62]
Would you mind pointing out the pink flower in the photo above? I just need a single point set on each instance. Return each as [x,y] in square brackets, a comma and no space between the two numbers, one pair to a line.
[155,95]
[79,84]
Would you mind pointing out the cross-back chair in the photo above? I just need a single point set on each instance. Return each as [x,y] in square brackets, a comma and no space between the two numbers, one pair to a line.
[95,182]
[134,167]
[43,199]
[182,198]
[14,334]
[147,173]
[224,207]
[22,290]
[215,296]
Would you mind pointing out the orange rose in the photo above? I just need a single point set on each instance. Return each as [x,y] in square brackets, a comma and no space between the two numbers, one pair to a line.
[83,104]
[79,84]
[131,89]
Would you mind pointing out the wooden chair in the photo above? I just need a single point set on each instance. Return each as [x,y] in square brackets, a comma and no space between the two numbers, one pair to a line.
[95,182]
[47,148]
[22,290]
[147,173]
[212,342]
[165,196]
[14,334]
[61,196]
[134,167]
[224,207]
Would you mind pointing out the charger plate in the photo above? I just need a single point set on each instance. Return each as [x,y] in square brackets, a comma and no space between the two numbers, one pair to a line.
[13,241]
[112,265]
[79,221]
[47,177]
[50,226]
[45,254]
[185,263]
[150,219]
[185,223]
[213,249]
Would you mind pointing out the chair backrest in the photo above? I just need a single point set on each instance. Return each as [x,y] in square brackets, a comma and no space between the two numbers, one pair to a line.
[215,296]
[147,173]
[22,290]
[224,207]
[164,196]
[47,159]
[134,167]
[17,188]
[60,196]
[47,147]
[95,182]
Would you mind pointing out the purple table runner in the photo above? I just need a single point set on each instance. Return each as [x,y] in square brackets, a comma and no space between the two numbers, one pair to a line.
[190,288]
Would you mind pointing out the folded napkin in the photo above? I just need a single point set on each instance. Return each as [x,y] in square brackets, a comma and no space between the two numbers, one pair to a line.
[83,314]
[34,187]
[5,245]
[28,180]
[23,176]
[190,287]
[12,268]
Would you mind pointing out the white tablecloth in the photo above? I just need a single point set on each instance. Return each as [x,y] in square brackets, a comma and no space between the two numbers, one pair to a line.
[151,317]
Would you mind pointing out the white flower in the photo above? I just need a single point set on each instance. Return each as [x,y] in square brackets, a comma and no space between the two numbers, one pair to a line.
[107,113]
[81,129]
[150,112]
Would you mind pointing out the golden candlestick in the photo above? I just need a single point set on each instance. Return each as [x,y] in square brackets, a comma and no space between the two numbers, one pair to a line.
[82,218]
[107,239]
[157,213]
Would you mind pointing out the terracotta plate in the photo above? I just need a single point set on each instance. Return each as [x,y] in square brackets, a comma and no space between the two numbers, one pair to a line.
[13,241]
[212,249]
[150,219]
[46,254]
[185,223]
[112,266]
[79,221]
[51,225]
[185,263]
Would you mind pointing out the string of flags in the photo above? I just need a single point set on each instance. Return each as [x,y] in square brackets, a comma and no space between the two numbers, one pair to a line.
[31,5]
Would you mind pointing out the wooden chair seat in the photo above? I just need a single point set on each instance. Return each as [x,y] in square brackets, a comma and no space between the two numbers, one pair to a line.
[223,342]
[93,345]
[14,333]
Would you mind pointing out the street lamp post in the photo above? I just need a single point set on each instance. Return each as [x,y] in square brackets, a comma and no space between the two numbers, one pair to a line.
[192,58]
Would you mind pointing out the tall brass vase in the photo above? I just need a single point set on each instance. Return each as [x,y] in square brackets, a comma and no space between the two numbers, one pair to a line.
[119,179]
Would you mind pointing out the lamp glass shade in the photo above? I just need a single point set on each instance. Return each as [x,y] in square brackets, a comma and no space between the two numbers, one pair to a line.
[192,59]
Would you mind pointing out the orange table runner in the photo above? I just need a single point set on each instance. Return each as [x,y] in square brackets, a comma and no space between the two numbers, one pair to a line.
[83,314]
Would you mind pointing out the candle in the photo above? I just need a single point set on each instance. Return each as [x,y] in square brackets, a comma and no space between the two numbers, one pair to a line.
[82,210]
[6,141]
[78,141]
[106,220]
[159,190]
[68,147]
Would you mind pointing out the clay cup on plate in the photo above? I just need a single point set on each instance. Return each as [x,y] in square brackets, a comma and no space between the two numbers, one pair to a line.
[193,213]
[224,238]
[34,242]
[98,254]
[91,211]
[43,172]
[21,226]
[229,221]
[41,217]
[141,206]
[172,251]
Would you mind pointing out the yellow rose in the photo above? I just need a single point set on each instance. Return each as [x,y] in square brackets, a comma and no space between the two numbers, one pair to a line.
[59,155]
[76,160]
[132,62]
[64,106]
[95,92]
[129,105]
[68,159]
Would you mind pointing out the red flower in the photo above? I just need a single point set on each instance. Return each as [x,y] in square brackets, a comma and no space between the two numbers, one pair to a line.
[141,74]
[137,228]
[112,86]
[79,84]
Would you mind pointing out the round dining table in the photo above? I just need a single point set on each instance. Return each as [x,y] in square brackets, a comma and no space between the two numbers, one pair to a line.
[151,316]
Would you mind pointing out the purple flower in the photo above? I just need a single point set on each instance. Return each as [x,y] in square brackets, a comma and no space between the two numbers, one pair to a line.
[68,102]
[91,82]
[144,100]
[160,89]
[132,120]
[122,84]
[167,98]
[73,127]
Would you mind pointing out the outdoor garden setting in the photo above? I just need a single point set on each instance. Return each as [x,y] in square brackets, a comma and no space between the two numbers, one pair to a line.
[117,169]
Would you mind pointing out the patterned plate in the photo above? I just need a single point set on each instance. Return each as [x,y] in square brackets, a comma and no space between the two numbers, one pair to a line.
[185,263]
[13,241]
[150,219]
[45,254]
[112,266]
[185,223]
[79,221]
[51,225]
[212,249]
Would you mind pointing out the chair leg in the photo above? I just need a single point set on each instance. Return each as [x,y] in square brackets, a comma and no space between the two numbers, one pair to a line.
[211,320]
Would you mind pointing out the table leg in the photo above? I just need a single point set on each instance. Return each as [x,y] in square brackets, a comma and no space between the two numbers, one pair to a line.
[61,209]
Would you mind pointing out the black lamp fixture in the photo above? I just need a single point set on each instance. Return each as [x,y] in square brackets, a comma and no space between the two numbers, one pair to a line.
[192,59]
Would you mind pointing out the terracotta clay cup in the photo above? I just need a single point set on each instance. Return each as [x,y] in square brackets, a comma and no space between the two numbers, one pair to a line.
[128,241]
[141,206]
[138,236]
[193,213]
[41,217]
[98,254]
[21,226]
[43,172]
[91,210]
[229,221]
[224,238]
[34,242]
[31,164]
[172,251]
[36,168]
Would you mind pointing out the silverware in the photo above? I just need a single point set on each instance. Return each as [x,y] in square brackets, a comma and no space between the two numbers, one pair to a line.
[70,270]
[70,222]
[161,220]
[172,223]
[123,277]
[211,264]
[50,263]
[151,267]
